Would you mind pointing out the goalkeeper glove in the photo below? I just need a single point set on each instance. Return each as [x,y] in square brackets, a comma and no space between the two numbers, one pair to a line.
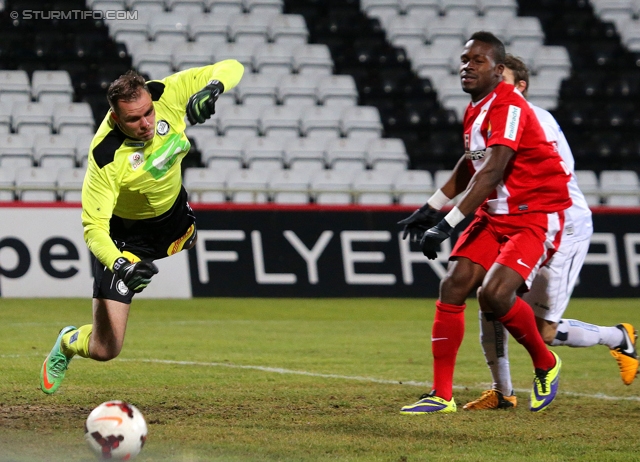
[418,222]
[433,237]
[201,105]
[136,276]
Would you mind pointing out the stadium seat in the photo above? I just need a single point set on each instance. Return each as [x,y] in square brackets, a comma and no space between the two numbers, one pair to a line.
[228,148]
[14,86]
[34,184]
[262,153]
[186,6]
[201,135]
[241,120]
[69,182]
[361,122]
[7,182]
[320,121]
[289,186]
[5,118]
[312,59]
[489,24]
[73,118]
[55,151]
[296,90]
[413,187]
[32,117]
[82,144]
[257,89]
[129,30]
[380,7]
[205,185]
[237,51]
[387,154]
[224,7]
[373,187]
[429,59]
[168,27]
[406,31]
[263,6]
[451,27]
[273,59]
[337,91]
[192,54]
[289,29]
[455,7]
[280,121]
[331,187]
[525,28]
[306,154]
[52,86]
[248,186]
[552,58]
[620,188]
[589,185]
[420,7]
[488,7]
[153,59]
[249,29]
[212,26]
[346,154]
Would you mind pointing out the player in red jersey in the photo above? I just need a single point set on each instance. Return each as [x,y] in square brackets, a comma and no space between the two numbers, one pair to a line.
[515,182]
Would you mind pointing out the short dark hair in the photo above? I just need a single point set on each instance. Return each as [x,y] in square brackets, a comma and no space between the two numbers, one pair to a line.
[519,69]
[127,87]
[497,45]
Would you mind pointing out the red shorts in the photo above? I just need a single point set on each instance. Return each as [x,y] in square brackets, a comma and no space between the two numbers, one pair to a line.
[521,242]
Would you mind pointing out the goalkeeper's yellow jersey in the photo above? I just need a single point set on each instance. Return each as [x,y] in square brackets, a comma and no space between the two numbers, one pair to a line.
[134,179]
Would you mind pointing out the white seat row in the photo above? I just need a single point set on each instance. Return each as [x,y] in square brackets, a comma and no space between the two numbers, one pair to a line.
[441,7]
[190,6]
[292,121]
[251,28]
[412,29]
[409,187]
[45,86]
[309,154]
[616,188]
[160,59]
[51,151]
[46,117]
[33,184]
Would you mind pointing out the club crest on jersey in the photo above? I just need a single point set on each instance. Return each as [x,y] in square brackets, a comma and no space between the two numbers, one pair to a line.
[489,130]
[467,142]
[163,127]
[136,159]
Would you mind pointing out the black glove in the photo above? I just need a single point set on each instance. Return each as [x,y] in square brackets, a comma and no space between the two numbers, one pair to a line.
[202,105]
[418,222]
[136,276]
[433,237]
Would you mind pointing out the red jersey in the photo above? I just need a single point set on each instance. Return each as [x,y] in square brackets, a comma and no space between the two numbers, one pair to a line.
[535,179]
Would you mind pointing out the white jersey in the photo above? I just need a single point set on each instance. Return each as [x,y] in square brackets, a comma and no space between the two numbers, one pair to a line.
[577,218]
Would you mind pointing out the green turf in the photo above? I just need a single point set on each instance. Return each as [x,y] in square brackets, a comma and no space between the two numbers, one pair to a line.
[244,392]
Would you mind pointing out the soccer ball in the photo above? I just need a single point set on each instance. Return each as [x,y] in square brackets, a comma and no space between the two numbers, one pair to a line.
[115,430]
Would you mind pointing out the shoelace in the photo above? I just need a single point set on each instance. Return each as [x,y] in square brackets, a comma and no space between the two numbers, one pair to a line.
[58,365]
[541,378]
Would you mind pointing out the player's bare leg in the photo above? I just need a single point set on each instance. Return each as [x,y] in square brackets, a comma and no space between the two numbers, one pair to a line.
[109,326]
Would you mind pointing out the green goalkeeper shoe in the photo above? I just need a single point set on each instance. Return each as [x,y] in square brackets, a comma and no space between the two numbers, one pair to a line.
[55,366]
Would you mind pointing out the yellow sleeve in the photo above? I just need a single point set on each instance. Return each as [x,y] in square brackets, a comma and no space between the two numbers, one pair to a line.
[181,85]
[99,195]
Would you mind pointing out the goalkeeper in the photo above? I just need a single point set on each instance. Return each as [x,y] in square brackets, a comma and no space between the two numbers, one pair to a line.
[134,207]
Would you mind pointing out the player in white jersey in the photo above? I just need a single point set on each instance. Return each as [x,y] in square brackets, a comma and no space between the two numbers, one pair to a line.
[551,289]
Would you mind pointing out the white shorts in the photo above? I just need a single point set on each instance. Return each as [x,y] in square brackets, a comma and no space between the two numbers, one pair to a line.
[551,289]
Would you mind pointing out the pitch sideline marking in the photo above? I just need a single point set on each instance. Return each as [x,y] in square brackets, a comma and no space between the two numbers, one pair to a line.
[279,370]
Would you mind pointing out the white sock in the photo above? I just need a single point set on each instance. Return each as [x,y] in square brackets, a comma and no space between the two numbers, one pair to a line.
[574,333]
[494,340]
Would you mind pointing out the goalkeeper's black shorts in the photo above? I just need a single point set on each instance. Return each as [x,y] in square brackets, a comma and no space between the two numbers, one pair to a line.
[150,239]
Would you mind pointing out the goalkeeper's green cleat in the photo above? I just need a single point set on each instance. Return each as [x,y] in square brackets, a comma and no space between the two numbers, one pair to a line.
[55,366]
